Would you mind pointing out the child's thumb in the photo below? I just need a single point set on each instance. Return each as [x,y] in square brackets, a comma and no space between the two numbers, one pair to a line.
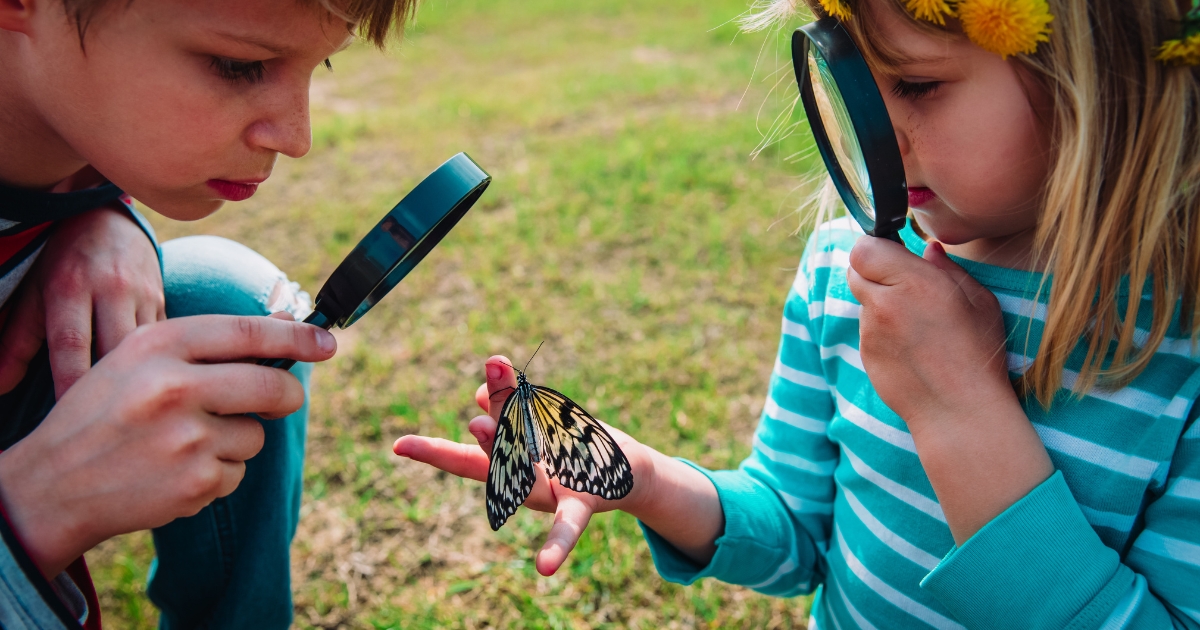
[501,382]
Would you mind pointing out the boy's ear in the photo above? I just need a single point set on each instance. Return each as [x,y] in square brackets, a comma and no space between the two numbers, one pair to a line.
[15,15]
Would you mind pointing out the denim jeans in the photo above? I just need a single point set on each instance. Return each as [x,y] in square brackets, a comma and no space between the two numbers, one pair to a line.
[227,566]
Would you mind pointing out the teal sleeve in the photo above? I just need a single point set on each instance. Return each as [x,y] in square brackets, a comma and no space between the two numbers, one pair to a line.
[1040,565]
[758,528]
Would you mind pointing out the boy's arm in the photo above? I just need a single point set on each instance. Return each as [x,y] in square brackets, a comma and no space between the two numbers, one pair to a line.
[97,278]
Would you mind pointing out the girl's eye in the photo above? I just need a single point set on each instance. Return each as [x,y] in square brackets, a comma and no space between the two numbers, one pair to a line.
[232,70]
[914,91]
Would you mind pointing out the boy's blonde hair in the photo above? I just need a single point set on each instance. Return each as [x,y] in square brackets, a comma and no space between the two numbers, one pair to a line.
[373,20]
[1121,217]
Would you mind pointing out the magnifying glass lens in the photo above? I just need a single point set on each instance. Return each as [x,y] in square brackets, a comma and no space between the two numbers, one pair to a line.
[840,130]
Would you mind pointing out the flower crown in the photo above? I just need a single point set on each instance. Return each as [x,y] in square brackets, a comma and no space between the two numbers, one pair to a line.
[1012,27]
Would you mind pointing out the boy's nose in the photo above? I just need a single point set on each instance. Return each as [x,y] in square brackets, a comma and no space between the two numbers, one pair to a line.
[286,127]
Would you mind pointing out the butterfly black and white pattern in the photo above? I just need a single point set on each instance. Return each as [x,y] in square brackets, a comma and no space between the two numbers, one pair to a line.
[540,425]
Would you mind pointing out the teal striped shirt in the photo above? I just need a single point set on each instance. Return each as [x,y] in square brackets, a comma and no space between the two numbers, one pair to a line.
[833,497]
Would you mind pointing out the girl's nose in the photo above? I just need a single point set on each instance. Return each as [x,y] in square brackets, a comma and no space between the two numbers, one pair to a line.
[902,140]
[284,126]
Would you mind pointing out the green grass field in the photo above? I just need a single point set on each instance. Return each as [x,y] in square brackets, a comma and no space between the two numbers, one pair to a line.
[627,226]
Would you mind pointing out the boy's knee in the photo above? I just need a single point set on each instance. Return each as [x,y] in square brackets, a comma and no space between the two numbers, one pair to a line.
[205,275]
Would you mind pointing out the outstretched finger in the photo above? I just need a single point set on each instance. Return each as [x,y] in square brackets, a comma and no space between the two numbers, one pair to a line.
[462,460]
[481,397]
[570,520]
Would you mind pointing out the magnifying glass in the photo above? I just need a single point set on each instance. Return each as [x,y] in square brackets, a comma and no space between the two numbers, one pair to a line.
[396,245]
[851,126]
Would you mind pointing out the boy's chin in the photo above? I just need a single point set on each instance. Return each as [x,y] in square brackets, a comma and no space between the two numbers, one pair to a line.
[181,207]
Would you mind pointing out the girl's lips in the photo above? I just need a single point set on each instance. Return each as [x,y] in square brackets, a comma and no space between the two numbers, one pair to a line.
[919,196]
[233,191]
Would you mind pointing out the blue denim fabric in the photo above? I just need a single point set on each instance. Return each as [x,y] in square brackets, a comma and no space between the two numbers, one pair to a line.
[228,566]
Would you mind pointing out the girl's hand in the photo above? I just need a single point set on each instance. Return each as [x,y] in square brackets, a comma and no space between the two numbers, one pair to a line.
[96,280]
[154,431]
[572,510]
[931,337]
[670,497]
[932,343]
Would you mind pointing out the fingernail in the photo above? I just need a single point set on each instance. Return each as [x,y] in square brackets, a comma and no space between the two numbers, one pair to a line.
[325,340]
[493,372]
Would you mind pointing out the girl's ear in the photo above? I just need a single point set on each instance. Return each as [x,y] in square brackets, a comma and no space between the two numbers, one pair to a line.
[15,15]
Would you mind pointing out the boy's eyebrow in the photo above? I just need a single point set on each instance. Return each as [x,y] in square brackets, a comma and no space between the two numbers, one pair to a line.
[271,47]
[268,46]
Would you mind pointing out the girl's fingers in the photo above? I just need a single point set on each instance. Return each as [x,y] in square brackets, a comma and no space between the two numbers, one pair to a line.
[570,519]
[501,383]
[462,460]
[484,430]
[481,397]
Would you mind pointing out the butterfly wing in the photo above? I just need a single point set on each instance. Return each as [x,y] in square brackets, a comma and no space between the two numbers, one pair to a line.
[510,474]
[576,448]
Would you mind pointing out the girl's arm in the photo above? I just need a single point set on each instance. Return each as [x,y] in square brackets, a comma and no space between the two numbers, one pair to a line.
[932,343]
[670,497]
[764,525]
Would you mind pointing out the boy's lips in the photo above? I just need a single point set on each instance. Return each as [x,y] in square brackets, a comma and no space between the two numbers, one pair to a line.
[920,195]
[234,191]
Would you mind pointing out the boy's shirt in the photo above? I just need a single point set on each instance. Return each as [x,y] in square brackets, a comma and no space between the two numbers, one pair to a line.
[834,498]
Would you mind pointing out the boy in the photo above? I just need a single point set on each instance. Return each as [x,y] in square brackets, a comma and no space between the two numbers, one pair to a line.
[183,105]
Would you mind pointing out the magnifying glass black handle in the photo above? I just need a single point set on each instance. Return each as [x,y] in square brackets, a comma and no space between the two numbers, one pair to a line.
[894,237]
[316,318]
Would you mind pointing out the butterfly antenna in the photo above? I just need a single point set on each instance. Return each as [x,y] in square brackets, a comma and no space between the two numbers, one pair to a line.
[533,355]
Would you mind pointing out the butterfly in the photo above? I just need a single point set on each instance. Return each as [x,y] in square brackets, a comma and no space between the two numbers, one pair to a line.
[541,426]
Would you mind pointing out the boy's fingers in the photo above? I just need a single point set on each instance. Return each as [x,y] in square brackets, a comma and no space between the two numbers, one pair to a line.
[69,336]
[113,322]
[462,460]
[241,388]
[501,382]
[237,438]
[229,338]
[22,339]
[570,519]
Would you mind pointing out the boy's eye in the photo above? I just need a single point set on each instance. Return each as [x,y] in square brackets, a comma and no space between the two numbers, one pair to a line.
[914,91]
[233,70]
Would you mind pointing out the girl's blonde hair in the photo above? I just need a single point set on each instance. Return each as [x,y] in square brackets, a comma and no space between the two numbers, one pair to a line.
[1121,215]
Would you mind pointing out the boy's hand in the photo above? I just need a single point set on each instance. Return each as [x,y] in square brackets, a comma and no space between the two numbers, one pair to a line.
[572,510]
[153,432]
[96,280]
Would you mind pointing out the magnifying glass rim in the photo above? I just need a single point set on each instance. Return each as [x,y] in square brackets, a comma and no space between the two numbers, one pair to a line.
[876,137]
[342,310]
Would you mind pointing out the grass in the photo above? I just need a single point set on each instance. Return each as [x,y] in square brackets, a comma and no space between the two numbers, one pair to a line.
[627,227]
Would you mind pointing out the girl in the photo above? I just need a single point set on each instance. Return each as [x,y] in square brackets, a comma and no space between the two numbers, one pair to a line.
[1053,173]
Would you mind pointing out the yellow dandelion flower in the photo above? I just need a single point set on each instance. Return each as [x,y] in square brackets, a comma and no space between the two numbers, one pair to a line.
[930,10]
[1185,52]
[837,9]
[1006,27]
